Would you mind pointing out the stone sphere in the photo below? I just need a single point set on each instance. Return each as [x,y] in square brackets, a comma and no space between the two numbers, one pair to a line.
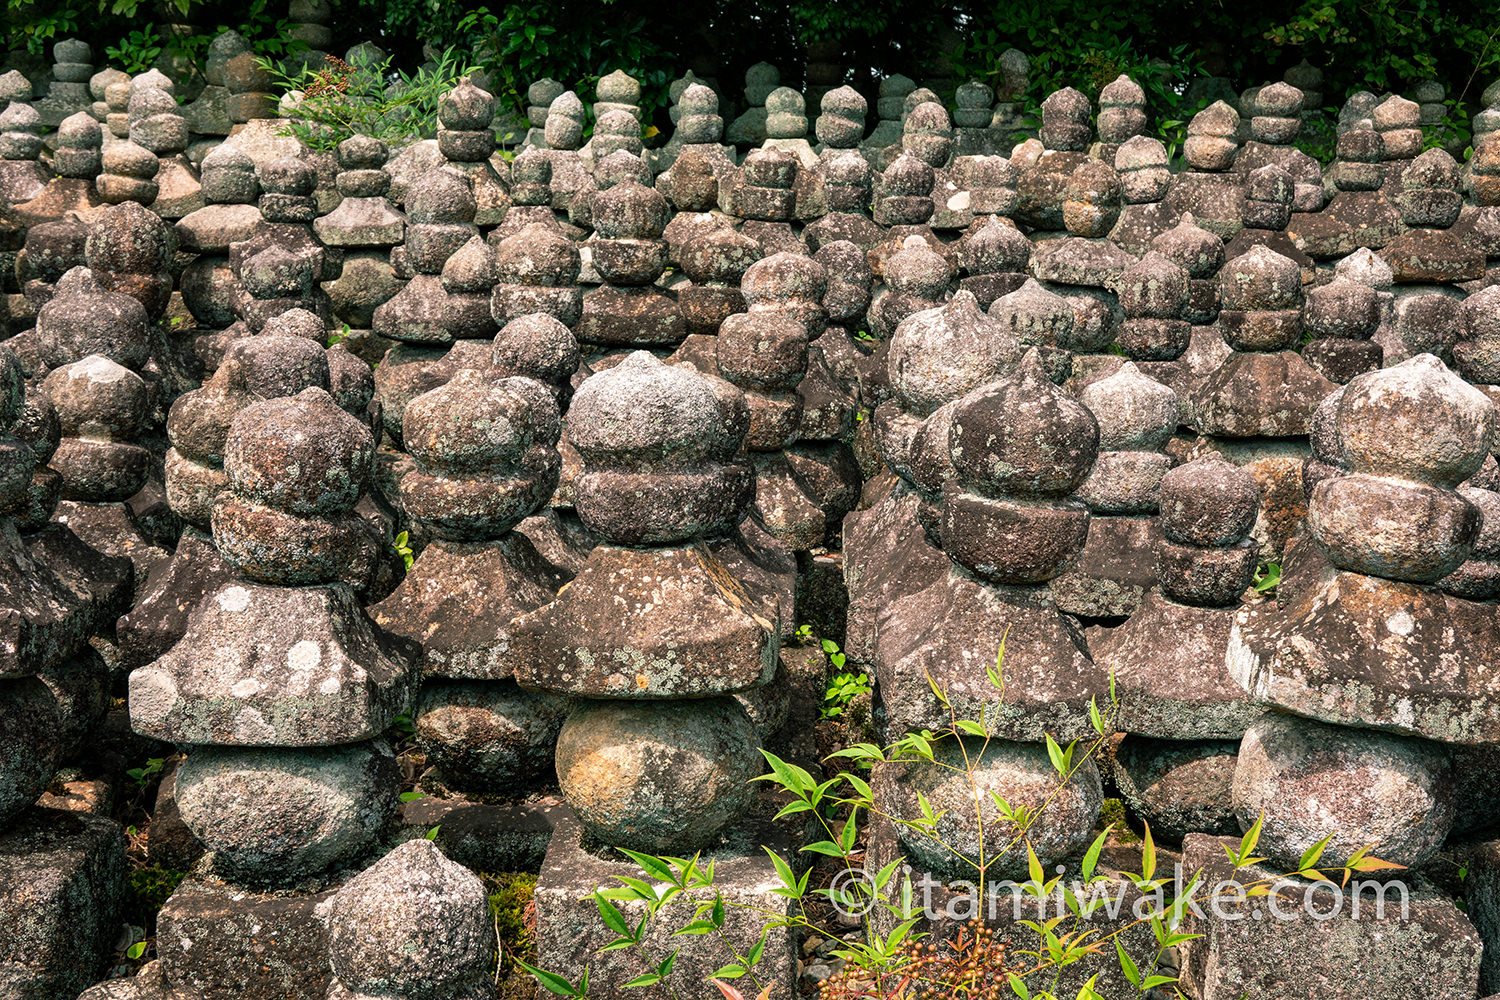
[488,736]
[1178,786]
[1365,788]
[1023,775]
[659,777]
[275,815]
[1208,502]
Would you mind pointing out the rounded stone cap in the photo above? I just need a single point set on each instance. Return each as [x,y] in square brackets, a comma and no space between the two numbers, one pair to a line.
[129,239]
[620,166]
[531,167]
[288,175]
[126,159]
[1135,413]
[471,269]
[785,100]
[296,323]
[630,210]
[1141,152]
[1342,308]
[1067,104]
[908,176]
[80,131]
[360,152]
[1218,120]
[784,277]
[918,270]
[1122,91]
[845,102]
[537,255]
[645,413]
[938,355]
[1279,100]
[1435,168]
[564,128]
[412,924]
[619,87]
[1036,315]
[1367,268]
[300,454]
[1022,437]
[1415,421]
[82,319]
[720,255]
[1209,502]
[144,102]
[273,364]
[544,91]
[974,94]
[97,398]
[537,346]
[1396,112]
[466,108]
[440,195]
[993,247]
[1261,279]
[18,117]
[475,424]
[696,99]
[1153,287]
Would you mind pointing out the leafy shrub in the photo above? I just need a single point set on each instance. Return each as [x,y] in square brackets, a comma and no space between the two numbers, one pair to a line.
[341,99]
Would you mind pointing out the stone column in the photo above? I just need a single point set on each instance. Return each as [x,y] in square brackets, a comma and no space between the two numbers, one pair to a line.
[281,685]
[1207,187]
[53,691]
[657,753]
[1183,714]
[159,128]
[1145,176]
[1137,416]
[629,254]
[22,177]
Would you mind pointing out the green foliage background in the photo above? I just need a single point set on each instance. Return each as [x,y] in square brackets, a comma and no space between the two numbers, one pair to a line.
[1360,44]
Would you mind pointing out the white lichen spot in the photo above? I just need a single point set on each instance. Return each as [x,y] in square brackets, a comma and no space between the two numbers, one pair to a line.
[152,694]
[247,688]
[330,685]
[234,599]
[304,655]
[1400,622]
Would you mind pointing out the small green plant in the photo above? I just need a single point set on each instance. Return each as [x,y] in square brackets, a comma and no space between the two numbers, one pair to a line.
[339,336]
[403,549]
[143,776]
[843,685]
[1267,579]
